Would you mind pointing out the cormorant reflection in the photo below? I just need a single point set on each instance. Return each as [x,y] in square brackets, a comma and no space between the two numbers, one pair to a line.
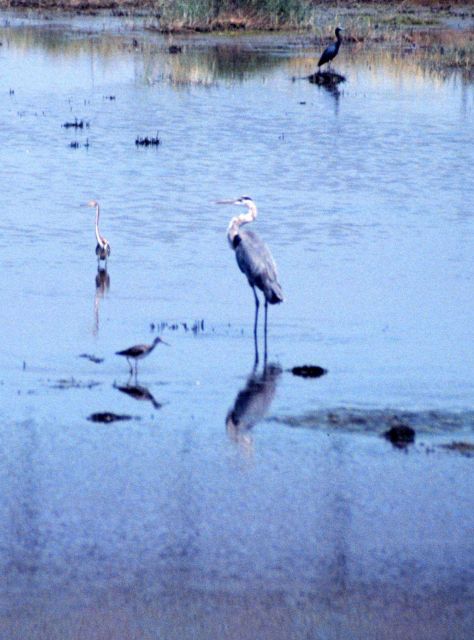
[333,90]
[102,284]
[252,403]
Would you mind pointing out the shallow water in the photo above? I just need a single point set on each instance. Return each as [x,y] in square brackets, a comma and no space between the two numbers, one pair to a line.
[193,520]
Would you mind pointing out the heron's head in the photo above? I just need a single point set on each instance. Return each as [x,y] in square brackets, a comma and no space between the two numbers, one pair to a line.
[245,201]
[160,341]
[92,203]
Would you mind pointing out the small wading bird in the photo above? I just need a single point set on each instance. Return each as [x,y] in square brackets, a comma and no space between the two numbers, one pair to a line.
[102,250]
[139,351]
[254,260]
[331,52]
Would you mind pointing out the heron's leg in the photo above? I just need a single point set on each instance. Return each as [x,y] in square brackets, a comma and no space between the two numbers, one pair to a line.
[130,365]
[265,335]
[255,325]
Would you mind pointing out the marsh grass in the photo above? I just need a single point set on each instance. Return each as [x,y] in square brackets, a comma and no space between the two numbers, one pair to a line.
[363,18]
[224,15]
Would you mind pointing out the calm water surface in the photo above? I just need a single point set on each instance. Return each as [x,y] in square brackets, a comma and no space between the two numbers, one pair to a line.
[186,521]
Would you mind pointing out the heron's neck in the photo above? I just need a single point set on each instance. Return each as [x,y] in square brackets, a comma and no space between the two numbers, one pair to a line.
[97,234]
[238,221]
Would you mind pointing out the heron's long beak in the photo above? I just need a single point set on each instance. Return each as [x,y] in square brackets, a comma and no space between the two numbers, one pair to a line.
[225,202]
[163,342]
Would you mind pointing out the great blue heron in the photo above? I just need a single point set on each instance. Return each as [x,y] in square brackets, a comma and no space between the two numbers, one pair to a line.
[254,260]
[331,52]
[102,250]
[138,352]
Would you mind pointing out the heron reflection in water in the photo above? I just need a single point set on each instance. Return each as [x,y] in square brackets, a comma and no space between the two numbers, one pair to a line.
[102,250]
[254,260]
[252,404]
[102,285]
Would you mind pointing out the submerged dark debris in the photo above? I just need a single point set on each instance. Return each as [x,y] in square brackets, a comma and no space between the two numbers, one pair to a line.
[77,124]
[400,435]
[195,327]
[92,358]
[75,144]
[147,142]
[72,383]
[309,371]
[107,417]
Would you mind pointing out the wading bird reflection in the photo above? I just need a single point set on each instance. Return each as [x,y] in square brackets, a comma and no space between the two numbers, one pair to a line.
[254,260]
[138,352]
[252,404]
[139,393]
[331,52]
[102,250]
[102,284]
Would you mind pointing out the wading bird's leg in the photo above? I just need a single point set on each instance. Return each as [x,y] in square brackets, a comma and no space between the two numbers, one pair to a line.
[130,365]
[257,304]
[265,335]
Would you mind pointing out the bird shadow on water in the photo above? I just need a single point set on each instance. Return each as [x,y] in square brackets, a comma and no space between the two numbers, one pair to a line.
[251,404]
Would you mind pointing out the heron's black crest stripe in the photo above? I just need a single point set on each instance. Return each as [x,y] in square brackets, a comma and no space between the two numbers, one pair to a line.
[236,241]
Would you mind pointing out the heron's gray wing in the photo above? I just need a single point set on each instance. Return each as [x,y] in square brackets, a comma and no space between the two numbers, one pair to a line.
[256,262]
[254,257]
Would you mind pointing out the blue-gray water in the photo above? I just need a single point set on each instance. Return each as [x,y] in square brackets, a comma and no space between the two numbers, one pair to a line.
[177,523]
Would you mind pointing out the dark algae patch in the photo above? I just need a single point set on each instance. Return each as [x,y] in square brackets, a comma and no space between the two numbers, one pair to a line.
[107,416]
[400,435]
[308,371]
[379,421]
[464,448]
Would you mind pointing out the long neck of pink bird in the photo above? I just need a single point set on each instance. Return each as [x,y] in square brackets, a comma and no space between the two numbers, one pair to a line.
[238,221]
